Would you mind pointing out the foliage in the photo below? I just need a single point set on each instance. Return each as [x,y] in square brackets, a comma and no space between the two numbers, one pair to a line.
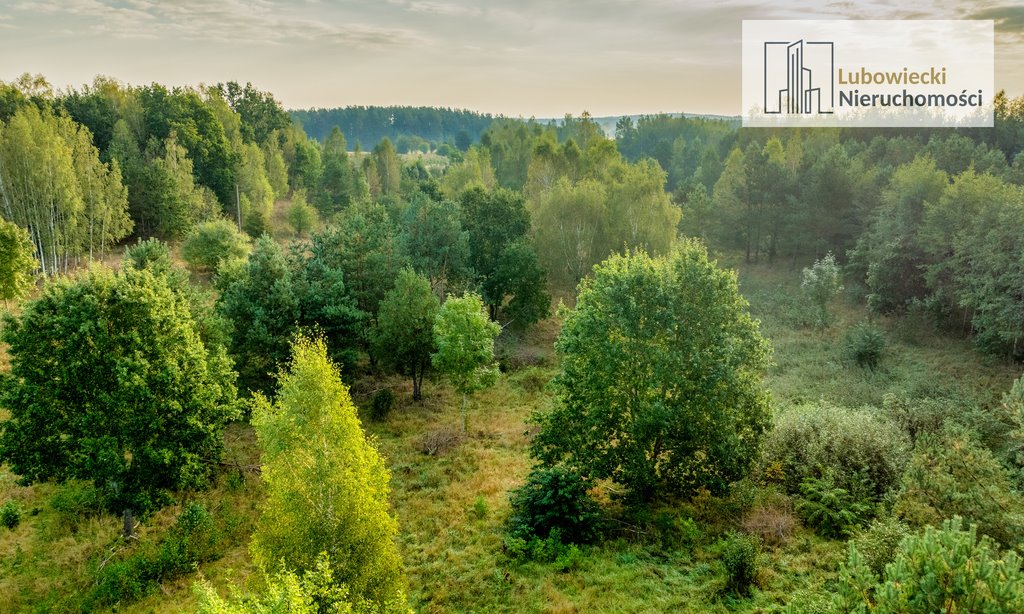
[286,592]
[264,308]
[381,404]
[111,382]
[739,555]
[879,543]
[193,539]
[661,383]
[862,452]
[211,244]
[864,344]
[10,514]
[940,570]
[302,216]
[434,241]
[553,499]
[152,254]
[821,283]
[78,207]
[464,338]
[830,509]
[404,335]
[16,261]
[953,475]
[327,486]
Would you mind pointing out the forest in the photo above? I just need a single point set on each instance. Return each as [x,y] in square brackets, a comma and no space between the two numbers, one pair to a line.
[397,359]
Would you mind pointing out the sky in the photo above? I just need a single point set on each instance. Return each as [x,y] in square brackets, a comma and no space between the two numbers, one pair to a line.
[518,58]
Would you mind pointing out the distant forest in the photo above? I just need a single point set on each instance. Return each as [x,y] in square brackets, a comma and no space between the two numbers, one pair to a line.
[409,128]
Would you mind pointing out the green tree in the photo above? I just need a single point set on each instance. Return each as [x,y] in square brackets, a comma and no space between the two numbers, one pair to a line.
[16,261]
[387,166]
[435,243]
[661,386]
[946,569]
[301,215]
[522,283]
[111,382]
[341,184]
[327,486]
[263,307]
[404,335]
[464,337]
[213,243]
[821,283]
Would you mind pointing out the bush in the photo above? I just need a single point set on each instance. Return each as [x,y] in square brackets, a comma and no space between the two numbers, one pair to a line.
[864,453]
[553,499]
[152,254]
[10,514]
[381,404]
[939,570]
[880,542]
[830,509]
[74,501]
[821,283]
[864,344]
[192,540]
[212,243]
[772,524]
[439,441]
[739,555]
[953,475]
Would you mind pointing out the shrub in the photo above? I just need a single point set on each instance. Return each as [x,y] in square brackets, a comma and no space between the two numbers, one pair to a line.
[439,441]
[864,453]
[75,501]
[212,243]
[830,509]
[772,524]
[553,499]
[864,344]
[953,475]
[821,283]
[10,514]
[381,404]
[939,570]
[152,254]
[739,555]
[879,543]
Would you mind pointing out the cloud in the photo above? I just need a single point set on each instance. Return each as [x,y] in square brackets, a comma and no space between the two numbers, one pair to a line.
[229,21]
[1009,19]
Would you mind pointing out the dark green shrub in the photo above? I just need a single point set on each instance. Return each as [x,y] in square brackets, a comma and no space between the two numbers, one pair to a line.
[830,509]
[381,404]
[954,475]
[152,254]
[553,499]
[862,451]
[864,344]
[76,501]
[939,570]
[879,543]
[739,555]
[10,514]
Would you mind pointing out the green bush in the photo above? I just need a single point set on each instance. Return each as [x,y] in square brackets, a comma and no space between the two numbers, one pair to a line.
[381,404]
[75,501]
[553,499]
[879,543]
[10,514]
[212,243]
[739,555]
[939,570]
[954,475]
[152,254]
[192,540]
[830,509]
[821,283]
[864,344]
[863,452]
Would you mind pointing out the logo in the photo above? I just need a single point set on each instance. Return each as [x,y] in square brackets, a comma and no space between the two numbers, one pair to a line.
[799,77]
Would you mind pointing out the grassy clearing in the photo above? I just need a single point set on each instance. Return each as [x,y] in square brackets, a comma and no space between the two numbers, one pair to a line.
[452,503]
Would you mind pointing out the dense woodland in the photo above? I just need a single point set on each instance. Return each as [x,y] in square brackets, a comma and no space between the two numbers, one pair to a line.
[404,359]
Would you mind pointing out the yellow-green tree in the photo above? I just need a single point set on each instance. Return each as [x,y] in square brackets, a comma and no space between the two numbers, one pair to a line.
[16,261]
[327,486]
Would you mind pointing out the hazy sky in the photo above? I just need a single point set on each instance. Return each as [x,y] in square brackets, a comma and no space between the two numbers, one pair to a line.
[515,57]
